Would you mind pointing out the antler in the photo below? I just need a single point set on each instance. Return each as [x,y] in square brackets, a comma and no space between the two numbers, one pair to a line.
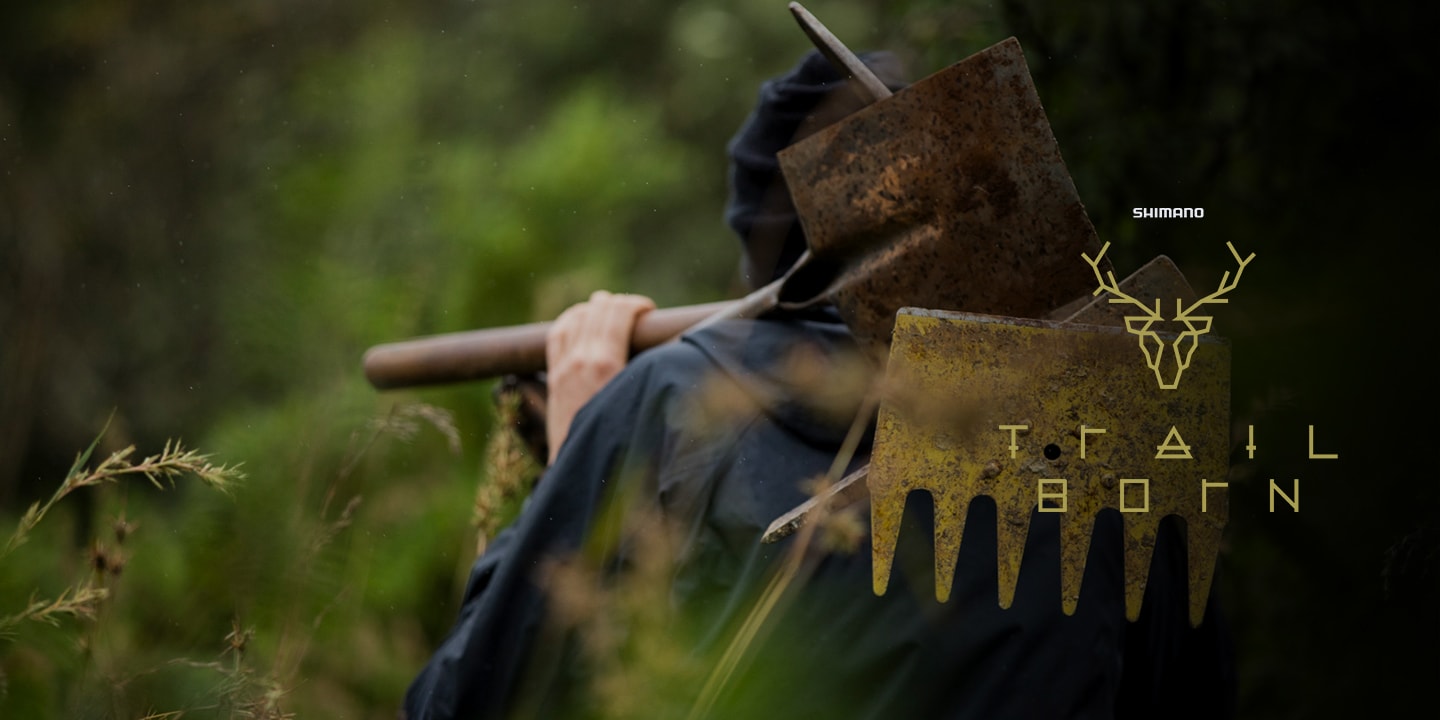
[1226,285]
[1114,288]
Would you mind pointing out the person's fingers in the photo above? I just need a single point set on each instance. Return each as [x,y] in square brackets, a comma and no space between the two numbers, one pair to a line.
[613,321]
[587,346]
[596,332]
[565,332]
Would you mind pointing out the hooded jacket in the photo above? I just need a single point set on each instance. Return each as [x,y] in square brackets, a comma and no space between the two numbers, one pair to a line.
[832,648]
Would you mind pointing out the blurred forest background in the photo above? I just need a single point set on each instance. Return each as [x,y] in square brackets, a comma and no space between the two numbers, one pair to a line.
[209,210]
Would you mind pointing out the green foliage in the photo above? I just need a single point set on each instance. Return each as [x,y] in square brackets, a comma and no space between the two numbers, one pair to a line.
[208,211]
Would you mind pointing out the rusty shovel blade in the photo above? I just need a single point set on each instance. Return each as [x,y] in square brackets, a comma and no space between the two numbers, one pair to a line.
[950,194]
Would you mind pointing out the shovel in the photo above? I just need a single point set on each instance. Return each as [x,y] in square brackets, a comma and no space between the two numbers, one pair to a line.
[948,194]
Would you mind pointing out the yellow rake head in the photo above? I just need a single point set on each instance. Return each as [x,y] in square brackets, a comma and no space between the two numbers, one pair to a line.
[1062,416]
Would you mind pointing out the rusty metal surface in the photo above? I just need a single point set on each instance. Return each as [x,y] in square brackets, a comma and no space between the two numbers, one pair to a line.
[950,194]
[848,491]
[1157,279]
[959,377]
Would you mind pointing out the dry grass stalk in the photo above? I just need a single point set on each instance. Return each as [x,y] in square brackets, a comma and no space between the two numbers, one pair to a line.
[510,471]
[161,470]
[82,601]
[793,566]
[402,422]
[242,692]
[626,622]
[77,602]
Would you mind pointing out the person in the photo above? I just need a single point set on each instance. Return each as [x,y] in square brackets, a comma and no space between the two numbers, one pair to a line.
[717,433]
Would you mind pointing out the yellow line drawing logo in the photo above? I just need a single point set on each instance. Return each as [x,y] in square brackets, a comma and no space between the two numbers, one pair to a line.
[1143,326]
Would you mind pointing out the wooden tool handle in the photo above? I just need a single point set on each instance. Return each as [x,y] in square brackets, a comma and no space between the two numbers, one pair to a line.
[519,349]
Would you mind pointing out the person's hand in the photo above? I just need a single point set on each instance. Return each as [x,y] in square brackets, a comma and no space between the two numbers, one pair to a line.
[586,346]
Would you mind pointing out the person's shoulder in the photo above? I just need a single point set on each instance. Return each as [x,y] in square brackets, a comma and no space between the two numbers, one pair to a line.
[732,344]
[657,375]
[753,358]
[759,348]
[767,337]
[673,364]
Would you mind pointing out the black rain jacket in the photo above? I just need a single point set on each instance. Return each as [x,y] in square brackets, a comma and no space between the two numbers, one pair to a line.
[833,649]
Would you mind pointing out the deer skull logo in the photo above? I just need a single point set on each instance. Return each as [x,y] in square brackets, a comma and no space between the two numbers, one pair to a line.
[1144,326]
